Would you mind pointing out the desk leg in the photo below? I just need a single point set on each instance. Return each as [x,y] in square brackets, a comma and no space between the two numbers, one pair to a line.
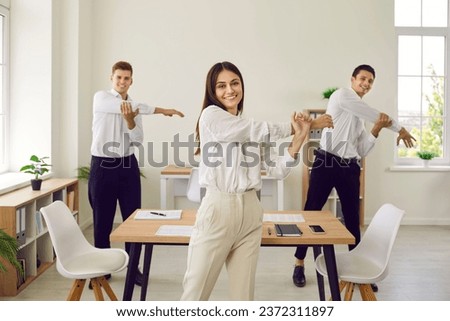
[146,271]
[320,283]
[135,253]
[163,192]
[280,194]
[330,261]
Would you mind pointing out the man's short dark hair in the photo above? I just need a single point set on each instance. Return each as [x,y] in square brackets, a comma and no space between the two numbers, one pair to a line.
[363,67]
[122,65]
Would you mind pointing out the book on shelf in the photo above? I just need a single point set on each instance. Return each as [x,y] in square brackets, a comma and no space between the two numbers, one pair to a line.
[21,276]
[287,230]
[21,225]
[39,223]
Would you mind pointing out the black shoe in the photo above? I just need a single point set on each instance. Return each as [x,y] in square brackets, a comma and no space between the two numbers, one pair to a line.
[107,276]
[374,287]
[139,280]
[299,276]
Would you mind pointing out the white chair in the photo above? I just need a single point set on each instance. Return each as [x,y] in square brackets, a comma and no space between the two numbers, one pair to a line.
[368,262]
[76,258]
[195,192]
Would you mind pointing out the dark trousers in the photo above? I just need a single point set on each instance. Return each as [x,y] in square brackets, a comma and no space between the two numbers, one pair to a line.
[330,171]
[112,180]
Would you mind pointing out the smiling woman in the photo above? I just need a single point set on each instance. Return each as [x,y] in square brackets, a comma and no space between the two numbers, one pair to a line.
[229,221]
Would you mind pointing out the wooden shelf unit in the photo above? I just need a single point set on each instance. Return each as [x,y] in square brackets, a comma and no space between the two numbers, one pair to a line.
[37,248]
[333,203]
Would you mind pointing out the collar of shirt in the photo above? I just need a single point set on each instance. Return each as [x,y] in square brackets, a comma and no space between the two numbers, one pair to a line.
[116,94]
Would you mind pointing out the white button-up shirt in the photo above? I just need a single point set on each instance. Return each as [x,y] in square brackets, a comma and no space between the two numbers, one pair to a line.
[231,154]
[110,134]
[349,138]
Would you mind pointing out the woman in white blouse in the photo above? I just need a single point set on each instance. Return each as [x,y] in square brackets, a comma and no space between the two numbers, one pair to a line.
[229,220]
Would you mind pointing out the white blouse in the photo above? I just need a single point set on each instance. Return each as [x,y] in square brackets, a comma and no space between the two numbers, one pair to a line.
[349,138]
[110,134]
[232,155]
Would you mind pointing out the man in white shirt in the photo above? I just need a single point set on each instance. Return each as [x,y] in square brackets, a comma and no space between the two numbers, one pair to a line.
[337,161]
[115,174]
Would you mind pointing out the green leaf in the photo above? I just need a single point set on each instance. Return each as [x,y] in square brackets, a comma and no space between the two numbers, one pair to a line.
[8,250]
[27,167]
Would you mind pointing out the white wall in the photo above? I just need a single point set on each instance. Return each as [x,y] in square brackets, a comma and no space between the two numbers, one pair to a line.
[31,75]
[288,51]
[72,91]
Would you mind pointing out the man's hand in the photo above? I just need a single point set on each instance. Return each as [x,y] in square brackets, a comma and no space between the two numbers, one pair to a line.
[128,114]
[168,112]
[322,121]
[383,121]
[406,137]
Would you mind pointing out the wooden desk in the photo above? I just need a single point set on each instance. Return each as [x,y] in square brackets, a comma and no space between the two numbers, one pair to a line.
[139,232]
[173,182]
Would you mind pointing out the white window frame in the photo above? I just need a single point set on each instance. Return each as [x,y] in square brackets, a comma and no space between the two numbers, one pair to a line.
[437,32]
[6,111]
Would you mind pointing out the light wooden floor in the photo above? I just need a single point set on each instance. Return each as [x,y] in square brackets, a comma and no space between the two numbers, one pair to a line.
[420,265]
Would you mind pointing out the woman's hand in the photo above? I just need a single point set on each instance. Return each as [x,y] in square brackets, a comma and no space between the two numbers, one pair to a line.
[301,122]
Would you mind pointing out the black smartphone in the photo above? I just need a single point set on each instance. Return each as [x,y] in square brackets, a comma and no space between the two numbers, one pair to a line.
[316,229]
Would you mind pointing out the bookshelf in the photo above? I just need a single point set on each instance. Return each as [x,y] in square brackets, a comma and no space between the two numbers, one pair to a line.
[333,203]
[20,217]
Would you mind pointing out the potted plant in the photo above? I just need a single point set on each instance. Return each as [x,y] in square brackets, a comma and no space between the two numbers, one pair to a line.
[327,92]
[426,156]
[8,251]
[37,167]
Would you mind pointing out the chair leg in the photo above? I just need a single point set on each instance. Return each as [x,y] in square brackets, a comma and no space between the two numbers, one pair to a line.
[96,286]
[367,292]
[349,292]
[342,286]
[77,290]
[107,288]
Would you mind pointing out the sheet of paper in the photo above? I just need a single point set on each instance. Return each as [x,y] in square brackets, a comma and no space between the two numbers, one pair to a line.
[158,215]
[272,217]
[175,230]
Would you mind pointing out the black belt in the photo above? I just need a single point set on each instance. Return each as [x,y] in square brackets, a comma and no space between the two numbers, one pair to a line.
[341,160]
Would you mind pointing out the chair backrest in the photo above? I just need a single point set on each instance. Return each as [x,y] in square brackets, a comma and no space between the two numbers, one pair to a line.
[378,240]
[67,238]
[195,192]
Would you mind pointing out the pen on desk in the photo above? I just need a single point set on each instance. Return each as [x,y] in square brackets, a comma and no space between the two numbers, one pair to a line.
[156,213]
[269,231]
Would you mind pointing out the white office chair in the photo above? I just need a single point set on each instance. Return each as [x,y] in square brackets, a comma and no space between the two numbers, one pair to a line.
[195,192]
[368,262]
[76,258]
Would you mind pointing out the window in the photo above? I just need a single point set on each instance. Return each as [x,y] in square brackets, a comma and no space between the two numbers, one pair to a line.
[4,103]
[422,33]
